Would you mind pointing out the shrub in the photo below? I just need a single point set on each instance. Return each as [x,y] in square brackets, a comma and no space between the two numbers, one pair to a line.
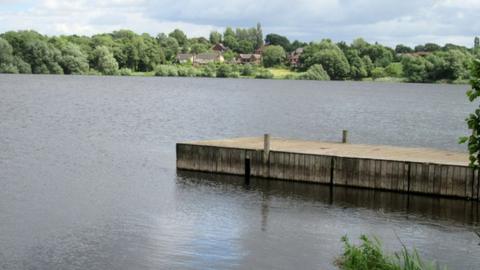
[247,70]
[316,72]
[292,77]
[224,71]
[125,72]
[186,71]
[263,74]
[166,70]
[394,70]
[378,72]
[208,70]
[94,72]
[235,74]
[8,68]
[369,255]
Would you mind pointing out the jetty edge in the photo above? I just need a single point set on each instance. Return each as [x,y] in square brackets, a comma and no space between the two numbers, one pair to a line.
[401,169]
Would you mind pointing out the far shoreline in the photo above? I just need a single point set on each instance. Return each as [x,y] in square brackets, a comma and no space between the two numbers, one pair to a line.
[390,80]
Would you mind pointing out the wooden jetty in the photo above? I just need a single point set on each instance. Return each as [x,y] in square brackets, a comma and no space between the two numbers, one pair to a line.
[412,170]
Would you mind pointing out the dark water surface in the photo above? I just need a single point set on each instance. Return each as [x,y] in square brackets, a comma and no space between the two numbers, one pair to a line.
[88,179]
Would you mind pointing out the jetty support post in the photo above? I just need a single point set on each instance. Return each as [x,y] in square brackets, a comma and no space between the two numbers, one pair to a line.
[247,170]
[266,147]
[345,136]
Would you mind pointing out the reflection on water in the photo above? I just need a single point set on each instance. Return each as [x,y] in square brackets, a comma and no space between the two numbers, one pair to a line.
[430,208]
[277,222]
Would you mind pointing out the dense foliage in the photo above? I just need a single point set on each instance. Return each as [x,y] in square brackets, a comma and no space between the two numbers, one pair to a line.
[124,52]
[316,72]
[273,55]
[473,120]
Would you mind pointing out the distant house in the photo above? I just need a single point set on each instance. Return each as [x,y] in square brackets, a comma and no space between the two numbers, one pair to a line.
[183,58]
[249,58]
[205,58]
[416,54]
[294,57]
[200,59]
[219,47]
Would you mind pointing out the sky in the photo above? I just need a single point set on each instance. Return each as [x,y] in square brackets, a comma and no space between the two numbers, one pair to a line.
[388,22]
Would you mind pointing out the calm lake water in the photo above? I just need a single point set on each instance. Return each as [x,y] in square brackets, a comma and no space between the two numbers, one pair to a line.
[88,179]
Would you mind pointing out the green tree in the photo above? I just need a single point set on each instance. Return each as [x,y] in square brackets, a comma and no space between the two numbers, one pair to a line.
[315,72]
[297,44]
[198,48]
[258,36]
[380,55]
[245,46]
[400,48]
[275,39]
[170,47]
[230,39]
[431,47]
[367,62]
[43,57]
[415,68]
[104,61]
[476,43]
[419,48]
[378,72]
[361,46]
[473,120]
[151,55]
[458,64]
[73,60]
[215,37]
[329,56]
[358,69]
[229,56]
[7,64]
[438,66]
[394,70]
[273,55]
[179,36]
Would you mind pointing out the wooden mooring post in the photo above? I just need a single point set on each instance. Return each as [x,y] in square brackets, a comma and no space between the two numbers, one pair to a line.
[266,147]
[247,170]
[345,136]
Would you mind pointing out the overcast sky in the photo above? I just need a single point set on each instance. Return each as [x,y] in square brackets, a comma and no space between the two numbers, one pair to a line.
[389,22]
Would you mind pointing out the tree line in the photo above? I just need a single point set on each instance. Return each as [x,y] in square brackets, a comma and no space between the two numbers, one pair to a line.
[123,52]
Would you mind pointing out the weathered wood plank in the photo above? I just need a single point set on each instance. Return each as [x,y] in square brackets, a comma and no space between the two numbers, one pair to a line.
[440,179]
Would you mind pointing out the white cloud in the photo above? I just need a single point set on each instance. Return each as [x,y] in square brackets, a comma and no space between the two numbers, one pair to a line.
[407,21]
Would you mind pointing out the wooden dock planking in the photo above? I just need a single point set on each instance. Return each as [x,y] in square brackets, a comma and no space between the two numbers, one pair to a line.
[415,170]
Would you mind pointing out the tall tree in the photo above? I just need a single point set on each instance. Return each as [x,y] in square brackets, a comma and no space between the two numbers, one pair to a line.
[104,61]
[329,55]
[275,39]
[415,68]
[215,37]
[7,64]
[259,36]
[400,48]
[73,60]
[273,55]
[180,36]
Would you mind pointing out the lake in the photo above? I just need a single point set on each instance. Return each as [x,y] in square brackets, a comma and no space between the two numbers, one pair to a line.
[88,178]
